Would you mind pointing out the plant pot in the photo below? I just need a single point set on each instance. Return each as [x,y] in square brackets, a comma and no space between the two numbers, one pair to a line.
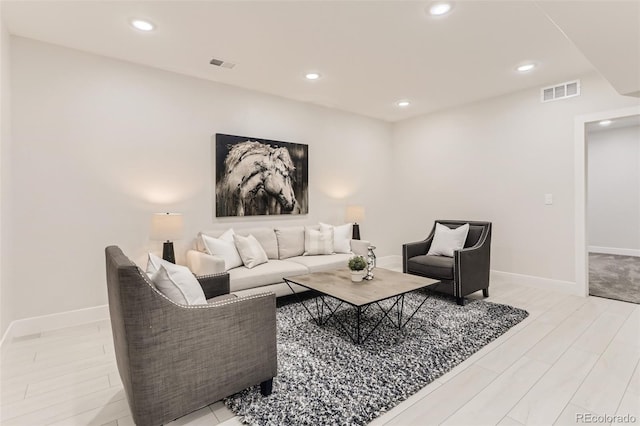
[356,276]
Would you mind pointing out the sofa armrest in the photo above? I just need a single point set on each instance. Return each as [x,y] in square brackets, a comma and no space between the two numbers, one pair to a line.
[360,247]
[214,285]
[204,264]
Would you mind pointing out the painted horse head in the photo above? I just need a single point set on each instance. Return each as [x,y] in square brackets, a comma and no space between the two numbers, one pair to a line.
[257,180]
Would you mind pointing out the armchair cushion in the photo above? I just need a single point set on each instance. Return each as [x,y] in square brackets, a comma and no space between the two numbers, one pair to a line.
[438,267]
[447,240]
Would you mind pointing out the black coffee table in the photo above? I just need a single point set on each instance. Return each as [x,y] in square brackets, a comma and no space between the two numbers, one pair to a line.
[337,284]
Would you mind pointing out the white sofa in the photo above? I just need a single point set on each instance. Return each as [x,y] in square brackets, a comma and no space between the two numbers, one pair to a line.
[285,259]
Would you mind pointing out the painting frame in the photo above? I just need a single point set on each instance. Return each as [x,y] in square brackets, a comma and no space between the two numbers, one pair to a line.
[260,177]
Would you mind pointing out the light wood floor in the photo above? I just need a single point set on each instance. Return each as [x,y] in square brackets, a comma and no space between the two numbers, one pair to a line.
[571,356]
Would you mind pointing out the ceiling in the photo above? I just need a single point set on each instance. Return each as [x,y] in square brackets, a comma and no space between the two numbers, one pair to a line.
[370,54]
[615,123]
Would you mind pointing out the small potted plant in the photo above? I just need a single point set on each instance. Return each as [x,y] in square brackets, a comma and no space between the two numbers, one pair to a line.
[357,264]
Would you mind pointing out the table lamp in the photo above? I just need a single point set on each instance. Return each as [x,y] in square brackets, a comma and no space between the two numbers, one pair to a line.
[167,227]
[355,214]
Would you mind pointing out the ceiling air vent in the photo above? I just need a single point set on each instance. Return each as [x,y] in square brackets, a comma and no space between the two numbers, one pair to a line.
[220,63]
[560,91]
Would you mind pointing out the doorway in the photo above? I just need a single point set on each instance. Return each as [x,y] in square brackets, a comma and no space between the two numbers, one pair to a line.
[580,190]
[613,208]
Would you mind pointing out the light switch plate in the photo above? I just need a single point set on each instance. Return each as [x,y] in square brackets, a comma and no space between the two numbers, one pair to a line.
[548,199]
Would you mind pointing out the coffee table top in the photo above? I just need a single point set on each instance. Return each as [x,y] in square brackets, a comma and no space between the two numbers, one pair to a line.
[338,284]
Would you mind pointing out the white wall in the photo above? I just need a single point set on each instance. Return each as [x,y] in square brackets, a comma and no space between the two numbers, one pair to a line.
[494,160]
[613,201]
[6,310]
[100,144]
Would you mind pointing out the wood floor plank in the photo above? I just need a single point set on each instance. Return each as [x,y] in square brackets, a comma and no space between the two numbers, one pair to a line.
[446,399]
[493,403]
[603,389]
[513,349]
[202,417]
[68,409]
[57,396]
[552,346]
[547,398]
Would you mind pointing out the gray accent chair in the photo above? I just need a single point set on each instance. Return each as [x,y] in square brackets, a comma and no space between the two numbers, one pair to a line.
[464,273]
[174,359]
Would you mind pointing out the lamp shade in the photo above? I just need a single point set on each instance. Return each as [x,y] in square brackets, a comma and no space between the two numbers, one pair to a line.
[355,214]
[166,226]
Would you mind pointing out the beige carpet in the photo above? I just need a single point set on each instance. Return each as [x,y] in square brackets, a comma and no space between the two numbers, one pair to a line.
[614,277]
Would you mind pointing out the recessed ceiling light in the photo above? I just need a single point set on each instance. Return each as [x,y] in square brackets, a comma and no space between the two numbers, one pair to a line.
[526,67]
[403,103]
[605,123]
[439,8]
[142,25]
[312,76]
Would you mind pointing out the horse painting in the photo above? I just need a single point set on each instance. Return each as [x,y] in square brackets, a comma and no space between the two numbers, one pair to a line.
[257,179]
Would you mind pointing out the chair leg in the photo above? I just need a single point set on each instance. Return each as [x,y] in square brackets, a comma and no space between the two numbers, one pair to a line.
[266,387]
[485,292]
[460,301]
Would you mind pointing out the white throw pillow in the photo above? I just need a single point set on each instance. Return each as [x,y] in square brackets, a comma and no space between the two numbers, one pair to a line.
[154,263]
[341,236]
[446,240]
[224,247]
[318,242]
[251,251]
[179,284]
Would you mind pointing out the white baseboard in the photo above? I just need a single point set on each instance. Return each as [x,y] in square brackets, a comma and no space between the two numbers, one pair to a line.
[389,261]
[614,250]
[27,326]
[567,287]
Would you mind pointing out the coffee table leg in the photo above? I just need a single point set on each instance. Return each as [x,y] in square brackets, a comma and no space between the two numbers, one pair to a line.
[359,314]
[317,320]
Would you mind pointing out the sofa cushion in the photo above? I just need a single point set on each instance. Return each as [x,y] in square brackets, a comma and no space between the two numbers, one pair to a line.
[271,272]
[266,237]
[250,250]
[290,241]
[447,240]
[436,267]
[322,263]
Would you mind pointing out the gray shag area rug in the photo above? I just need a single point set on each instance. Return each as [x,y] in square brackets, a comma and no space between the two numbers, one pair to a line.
[614,277]
[323,378]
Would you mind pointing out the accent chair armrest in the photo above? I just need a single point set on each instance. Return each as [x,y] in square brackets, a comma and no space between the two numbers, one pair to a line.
[204,264]
[214,285]
[360,247]
[473,266]
[416,248]
[230,345]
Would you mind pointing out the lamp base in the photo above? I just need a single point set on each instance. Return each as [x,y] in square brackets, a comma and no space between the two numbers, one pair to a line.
[167,252]
[356,232]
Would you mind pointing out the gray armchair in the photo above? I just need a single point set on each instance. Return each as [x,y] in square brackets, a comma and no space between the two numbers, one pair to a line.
[464,273]
[174,359]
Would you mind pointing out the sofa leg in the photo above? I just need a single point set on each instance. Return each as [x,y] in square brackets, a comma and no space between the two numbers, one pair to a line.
[460,301]
[485,292]
[266,387]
